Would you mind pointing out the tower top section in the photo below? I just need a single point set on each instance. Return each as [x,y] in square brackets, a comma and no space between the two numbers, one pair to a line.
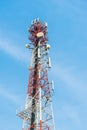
[38,32]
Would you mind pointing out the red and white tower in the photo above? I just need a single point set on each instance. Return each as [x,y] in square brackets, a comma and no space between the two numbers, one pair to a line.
[37,113]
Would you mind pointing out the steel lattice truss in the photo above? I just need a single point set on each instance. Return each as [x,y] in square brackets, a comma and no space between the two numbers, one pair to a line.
[37,113]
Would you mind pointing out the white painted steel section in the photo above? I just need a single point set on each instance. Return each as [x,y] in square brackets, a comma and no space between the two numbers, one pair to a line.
[37,118]
[40,103]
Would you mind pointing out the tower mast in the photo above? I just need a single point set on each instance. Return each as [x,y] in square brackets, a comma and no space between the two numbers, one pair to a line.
[37,113]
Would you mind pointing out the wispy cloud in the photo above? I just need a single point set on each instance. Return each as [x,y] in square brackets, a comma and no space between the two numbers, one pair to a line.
[72,81]
[68,114]
[13,50]
[71,112]
[8,95]
[77,6]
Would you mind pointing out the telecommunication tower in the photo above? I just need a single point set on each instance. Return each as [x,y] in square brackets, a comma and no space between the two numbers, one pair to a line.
[37,113]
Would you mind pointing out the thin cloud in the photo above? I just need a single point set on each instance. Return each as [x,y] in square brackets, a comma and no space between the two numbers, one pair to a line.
[9,96]
[13,51]
[70,113]
[77,6]
[72,81]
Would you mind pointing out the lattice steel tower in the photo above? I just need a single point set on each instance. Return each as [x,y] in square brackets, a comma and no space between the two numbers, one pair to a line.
[38,113]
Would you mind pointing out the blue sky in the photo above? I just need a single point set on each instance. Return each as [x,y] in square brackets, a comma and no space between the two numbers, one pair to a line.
[67,25]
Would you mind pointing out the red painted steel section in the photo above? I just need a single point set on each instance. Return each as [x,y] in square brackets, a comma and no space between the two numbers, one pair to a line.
[36,28]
